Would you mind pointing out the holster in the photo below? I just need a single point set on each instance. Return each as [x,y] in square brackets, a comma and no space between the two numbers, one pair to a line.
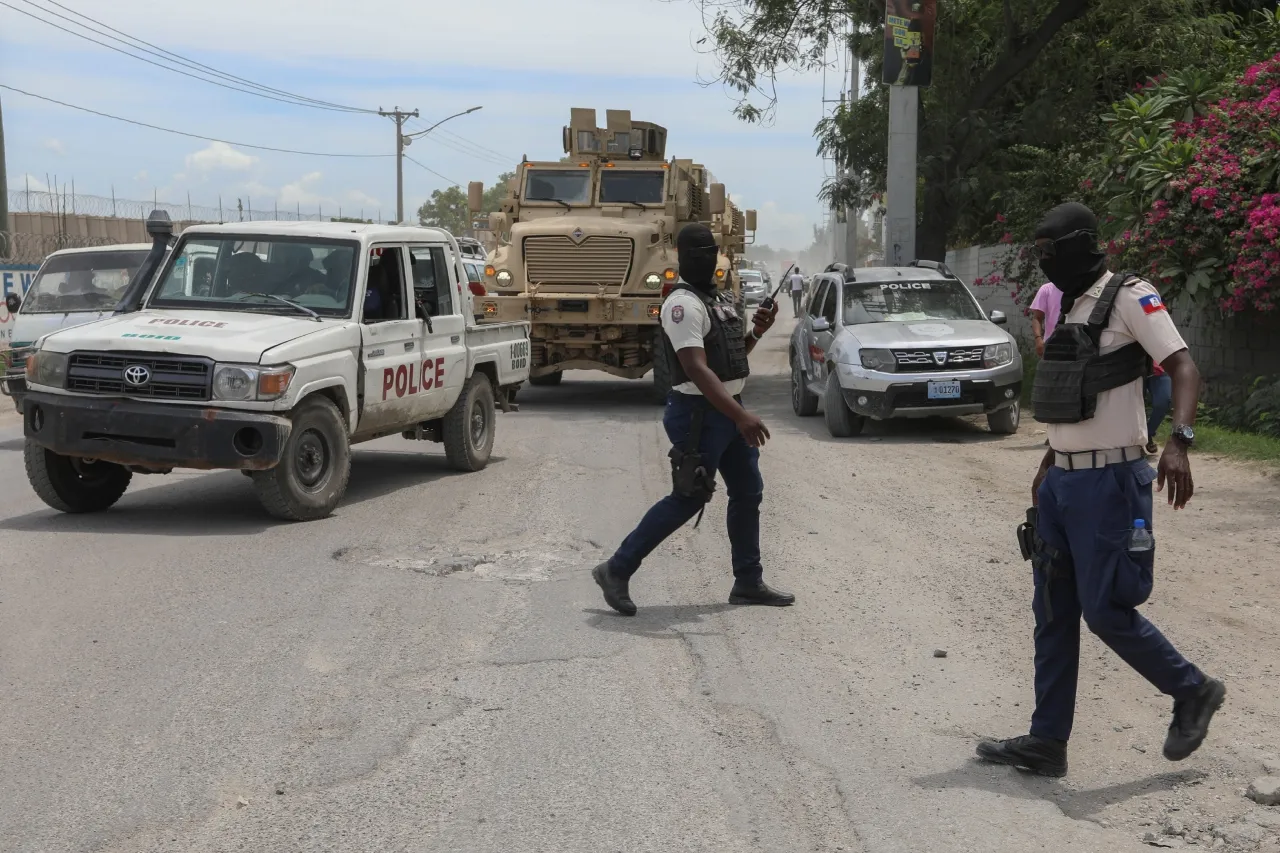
[1055,564]
[689,475]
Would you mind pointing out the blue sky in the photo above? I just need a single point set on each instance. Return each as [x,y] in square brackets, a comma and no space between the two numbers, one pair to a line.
[525,61]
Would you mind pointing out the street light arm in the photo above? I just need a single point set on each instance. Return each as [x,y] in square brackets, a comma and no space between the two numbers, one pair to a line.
[440,122]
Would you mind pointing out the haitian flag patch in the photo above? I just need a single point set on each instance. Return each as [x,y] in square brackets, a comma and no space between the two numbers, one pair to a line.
[1151,304]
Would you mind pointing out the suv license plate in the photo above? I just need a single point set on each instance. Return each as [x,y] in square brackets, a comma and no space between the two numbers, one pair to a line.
[944,389]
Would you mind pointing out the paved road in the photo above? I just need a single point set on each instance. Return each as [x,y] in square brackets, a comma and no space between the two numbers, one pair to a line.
[432,669]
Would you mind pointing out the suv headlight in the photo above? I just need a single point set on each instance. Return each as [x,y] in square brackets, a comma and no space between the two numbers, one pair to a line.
[243,382]
[47,368]
[997,355]
[879,359]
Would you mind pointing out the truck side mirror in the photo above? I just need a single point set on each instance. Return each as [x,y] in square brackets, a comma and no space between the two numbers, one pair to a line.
[751,220]
[475,196]
[13,302]
[717,198]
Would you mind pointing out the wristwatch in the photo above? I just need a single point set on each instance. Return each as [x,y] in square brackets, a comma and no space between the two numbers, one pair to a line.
[1184,434]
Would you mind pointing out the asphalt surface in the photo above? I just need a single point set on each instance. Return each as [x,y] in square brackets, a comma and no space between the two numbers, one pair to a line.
[432,669]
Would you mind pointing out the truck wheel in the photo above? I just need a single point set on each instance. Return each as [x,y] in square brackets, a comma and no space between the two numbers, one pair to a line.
[69,484]
[547,379]
[1005,421]
[841,422]
[468,427]
[803,401]
[314,468]
[661,370]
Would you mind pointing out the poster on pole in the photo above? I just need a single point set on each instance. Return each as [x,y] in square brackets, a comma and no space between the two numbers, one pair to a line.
[908,42]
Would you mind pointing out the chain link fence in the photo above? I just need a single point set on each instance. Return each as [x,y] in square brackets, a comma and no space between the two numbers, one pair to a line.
[240,210]
[20,248]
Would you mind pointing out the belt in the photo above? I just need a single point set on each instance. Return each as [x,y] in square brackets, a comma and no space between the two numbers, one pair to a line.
[1098,458]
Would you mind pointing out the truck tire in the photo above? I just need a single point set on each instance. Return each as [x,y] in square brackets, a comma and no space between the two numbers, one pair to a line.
[74,485]
[314,467]
[661,369]
[803,401]
[468,427]
[1005,421]
[547,379]
[841,422]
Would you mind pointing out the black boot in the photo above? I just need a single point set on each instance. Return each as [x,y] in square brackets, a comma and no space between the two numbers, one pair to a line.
[1191,718]
[759,593]
[614,588]
[1041,755]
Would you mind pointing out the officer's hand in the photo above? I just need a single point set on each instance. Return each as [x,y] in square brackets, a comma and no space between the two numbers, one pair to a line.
[1175,468]
[763,319]
[753,430]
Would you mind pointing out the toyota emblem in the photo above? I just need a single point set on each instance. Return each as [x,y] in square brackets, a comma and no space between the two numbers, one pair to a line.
[137,375]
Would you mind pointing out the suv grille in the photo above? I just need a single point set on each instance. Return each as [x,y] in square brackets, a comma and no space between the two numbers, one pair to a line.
[558,262]
[171,378]
[920,361]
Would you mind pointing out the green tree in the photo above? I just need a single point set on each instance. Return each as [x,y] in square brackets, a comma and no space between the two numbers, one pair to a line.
[446,209]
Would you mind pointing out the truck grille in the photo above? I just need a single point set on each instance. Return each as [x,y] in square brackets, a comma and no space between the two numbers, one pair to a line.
[171,378]
[558,262]
[920,361]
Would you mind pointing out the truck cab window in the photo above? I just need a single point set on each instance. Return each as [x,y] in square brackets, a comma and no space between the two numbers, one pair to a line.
[384,296]
[431,280]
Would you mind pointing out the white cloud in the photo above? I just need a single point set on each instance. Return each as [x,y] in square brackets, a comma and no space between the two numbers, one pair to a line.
[142,176]
[55,145]
[29,182]
[302,192]
[219,156]
[359,198]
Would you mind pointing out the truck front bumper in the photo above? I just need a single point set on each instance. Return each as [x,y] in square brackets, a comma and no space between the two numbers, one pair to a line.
[154,435]
[571,309]
[15,385]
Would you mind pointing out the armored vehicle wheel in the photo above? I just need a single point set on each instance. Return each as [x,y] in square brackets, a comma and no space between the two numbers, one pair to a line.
[662,369]
[74,485]
[841,422]
[548,379]
[803,401]
[468,427]
[314,468]
[1005,421]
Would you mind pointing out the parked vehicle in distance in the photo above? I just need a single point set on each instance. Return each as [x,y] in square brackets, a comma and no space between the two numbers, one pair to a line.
[72,287]
[902,342]
[754,289]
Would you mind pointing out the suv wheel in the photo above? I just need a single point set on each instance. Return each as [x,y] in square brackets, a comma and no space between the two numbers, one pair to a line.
[468,427]
[841,421]
[314,468]
[74,485]
[1005,421]
[803,401]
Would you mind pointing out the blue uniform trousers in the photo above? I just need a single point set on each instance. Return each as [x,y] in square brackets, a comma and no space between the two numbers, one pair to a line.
[723,449]
[1088,514]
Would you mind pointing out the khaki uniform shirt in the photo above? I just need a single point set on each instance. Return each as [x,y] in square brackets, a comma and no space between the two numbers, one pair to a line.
[1120,419]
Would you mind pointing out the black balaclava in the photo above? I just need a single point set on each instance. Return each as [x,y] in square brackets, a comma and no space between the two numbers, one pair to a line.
[697,254]
[1078,262]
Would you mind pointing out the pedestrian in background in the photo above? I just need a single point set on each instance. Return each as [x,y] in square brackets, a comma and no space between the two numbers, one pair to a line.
[1045,310]
[797,290]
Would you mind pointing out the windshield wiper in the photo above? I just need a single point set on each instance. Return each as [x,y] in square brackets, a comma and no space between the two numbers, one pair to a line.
[558,201]
[626,201]
[288,302]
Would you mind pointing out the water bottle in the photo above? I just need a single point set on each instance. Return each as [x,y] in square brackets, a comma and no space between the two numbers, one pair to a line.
[1140,538]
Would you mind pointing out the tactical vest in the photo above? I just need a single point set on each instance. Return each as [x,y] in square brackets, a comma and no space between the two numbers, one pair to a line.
[1073,373]
[725,344]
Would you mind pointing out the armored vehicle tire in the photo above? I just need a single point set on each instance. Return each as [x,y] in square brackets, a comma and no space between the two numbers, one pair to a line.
[841,422]
[803,401]
[314,467]
[661,370]
[1005,421]
[548,379]
[468,427]
[74,485]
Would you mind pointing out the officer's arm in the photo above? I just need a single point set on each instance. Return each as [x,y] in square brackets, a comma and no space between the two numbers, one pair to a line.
[694,362]
[1174,466]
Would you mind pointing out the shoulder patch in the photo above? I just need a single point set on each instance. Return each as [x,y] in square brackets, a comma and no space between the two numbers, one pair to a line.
[1151,303]
[677,313]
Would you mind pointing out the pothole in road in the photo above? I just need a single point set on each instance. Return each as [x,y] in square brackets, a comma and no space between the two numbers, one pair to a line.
[518,565]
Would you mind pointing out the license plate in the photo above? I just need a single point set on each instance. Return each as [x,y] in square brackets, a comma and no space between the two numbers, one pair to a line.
[944,389]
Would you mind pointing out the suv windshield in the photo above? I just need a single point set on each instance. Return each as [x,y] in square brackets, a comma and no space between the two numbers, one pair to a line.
[224,274]
[558,185]
[82,281]
[907,301]
[621,186]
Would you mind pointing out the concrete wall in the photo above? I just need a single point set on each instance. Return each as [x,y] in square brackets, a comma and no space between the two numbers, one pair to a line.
[980,262]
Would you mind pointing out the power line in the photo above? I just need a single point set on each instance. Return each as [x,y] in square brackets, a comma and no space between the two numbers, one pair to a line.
[191,135]
[465,146]
[432,171]
[460,138]
[295,100]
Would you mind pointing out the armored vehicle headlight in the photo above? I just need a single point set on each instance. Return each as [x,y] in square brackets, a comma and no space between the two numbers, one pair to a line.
[878,359]
[47,368]
[997,355]
[653,281]
[503,277]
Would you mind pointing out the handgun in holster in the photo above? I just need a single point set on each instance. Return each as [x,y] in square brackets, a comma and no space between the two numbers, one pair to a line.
[689,475]
[1054,563]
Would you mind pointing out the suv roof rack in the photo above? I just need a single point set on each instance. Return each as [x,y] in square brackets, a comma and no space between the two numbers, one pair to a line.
[844,270]
[933,265]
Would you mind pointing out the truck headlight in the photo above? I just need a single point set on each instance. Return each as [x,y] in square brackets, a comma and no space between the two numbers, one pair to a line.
[15,359]
[879,359]
[242,382]
[653,281]
[47,368]
[504,278]
[997,355]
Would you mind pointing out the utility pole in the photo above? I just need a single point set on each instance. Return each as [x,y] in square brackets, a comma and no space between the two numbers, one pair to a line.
[908,50]
[853,214]
[4,195]
[399,117]
[840,212]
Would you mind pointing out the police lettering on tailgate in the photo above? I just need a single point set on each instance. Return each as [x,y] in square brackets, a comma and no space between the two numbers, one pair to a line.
[409,379]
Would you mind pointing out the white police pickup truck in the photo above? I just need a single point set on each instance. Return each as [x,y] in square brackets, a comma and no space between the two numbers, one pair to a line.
[271,348]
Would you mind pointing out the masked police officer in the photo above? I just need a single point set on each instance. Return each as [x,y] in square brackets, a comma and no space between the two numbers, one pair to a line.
[1093,493]
[709,429]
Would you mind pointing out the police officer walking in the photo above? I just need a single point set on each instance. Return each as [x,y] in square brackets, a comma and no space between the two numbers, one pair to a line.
[707,347]
[1093,533]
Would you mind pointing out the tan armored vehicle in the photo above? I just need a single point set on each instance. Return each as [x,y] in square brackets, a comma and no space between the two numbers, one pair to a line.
[586,247]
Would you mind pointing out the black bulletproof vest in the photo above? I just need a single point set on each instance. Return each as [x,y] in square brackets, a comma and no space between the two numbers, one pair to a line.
[725,344]
[1072,373]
